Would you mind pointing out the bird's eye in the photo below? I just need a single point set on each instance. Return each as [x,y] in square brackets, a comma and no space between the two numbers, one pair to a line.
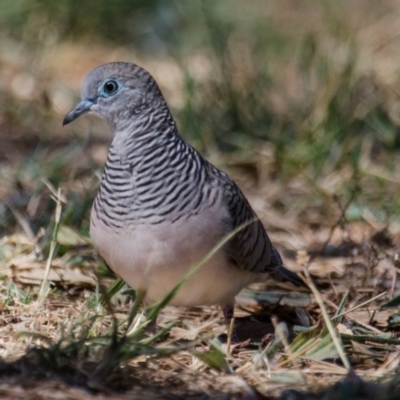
[110,87]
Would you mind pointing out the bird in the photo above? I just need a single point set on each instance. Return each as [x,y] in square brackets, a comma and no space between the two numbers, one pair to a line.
[161,207]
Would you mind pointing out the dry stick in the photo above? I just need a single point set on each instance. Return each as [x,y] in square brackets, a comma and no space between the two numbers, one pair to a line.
[25,226]
[332,330]
[360,305]
[332,367]
[394,280]
[338,222]
[391,358]
[363,324]
[230,332]
[55,192]
[279,332]
[299,354]
[53,243]
[263,358]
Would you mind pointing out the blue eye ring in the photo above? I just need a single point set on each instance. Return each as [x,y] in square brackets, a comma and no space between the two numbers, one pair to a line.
[109,87]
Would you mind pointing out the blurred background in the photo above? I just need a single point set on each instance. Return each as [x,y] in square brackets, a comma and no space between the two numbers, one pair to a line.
[298,100]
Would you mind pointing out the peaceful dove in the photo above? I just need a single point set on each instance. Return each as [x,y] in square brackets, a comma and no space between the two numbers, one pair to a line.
[161,207]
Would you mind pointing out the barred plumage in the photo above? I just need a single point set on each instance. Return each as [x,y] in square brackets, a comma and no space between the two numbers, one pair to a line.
[161,207]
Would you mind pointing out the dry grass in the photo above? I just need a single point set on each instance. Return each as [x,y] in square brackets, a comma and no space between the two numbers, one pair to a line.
[358,266]
[325,184]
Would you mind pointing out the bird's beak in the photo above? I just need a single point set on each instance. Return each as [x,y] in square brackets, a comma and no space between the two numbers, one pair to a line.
[81,108]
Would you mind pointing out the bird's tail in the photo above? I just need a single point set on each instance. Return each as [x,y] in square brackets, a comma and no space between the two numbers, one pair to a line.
[282,274]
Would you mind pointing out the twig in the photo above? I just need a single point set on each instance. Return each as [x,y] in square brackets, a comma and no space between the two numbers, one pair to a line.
[263,357]
[394,279]
[338,222]
[25,226]
[283,337]
[360,305]
[298,354]
[331,328]
[304,260]
[357,321]
[53,243]
[230,333]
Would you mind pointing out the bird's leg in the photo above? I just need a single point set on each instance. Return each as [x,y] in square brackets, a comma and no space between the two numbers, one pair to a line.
[228,311]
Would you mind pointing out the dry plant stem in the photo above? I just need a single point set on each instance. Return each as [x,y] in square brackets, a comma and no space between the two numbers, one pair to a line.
[283,338]
[53,243]
[391,362]
[230,333]
[393,285]
[269,374]
[332,330]
[55,192]
[21,220]
[338,222]
[370,327]
[245,368]
[25,226]
[280,334]
[363,324]
[337,368]
[263,358]
[367,326]
[298,354]
[360,305]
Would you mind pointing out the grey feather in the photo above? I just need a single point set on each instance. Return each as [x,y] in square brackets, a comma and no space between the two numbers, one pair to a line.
[156,187]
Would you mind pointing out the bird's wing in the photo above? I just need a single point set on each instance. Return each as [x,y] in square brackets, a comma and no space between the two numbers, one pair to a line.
[250,248]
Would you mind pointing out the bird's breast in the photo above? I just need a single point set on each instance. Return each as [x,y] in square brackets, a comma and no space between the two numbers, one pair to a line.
[156,257]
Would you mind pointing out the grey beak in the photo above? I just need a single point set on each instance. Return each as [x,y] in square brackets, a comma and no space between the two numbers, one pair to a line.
[81,108]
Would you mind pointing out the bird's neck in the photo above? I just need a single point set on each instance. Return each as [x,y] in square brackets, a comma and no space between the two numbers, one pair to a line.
[150,138]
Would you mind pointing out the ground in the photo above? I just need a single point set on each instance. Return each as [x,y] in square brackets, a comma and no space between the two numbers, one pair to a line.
[303,113]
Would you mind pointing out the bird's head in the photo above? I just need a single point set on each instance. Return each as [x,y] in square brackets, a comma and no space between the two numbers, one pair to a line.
[118,92]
